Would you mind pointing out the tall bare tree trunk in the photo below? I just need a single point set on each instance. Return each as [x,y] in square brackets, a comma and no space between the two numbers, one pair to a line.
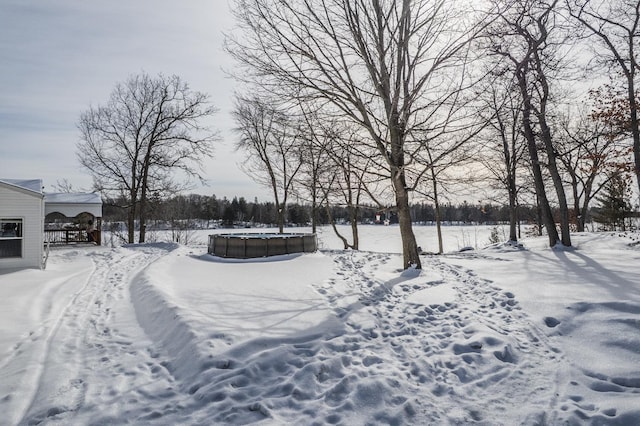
[314,210]
[280,216]
[541,193]
[576,205]
[131,214]
[513,210]
[511,163]
[551,158]
[143,219]
[635,127]
[436,201]
[142,212]
[558,184]
[354,232]
[411,257]
[131,223]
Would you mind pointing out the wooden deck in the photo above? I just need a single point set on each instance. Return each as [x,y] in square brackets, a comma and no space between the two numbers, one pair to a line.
[70,236]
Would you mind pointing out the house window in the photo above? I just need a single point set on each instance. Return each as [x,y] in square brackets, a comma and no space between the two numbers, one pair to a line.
[10,238]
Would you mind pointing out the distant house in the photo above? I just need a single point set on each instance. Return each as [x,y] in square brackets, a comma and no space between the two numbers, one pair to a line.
[21,223]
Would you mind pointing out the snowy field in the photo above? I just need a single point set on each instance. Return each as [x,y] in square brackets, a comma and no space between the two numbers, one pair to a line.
[165,334]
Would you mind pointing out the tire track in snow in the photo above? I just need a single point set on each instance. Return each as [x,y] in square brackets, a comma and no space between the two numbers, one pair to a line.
[88,361]
[29,355]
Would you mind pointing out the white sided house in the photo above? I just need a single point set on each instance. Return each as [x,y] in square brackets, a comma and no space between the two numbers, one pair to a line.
[21,223]
[23,208]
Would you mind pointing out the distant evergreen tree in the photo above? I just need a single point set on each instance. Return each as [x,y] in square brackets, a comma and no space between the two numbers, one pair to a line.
[298,214]
[614,205]
[229,216]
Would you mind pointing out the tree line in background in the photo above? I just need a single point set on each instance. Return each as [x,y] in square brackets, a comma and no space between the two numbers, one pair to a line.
[401,103]
[194,210]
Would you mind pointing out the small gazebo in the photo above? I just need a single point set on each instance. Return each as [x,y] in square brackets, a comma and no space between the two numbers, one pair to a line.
[73,218]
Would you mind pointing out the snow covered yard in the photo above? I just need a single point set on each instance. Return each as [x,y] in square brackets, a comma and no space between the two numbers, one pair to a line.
[166,334]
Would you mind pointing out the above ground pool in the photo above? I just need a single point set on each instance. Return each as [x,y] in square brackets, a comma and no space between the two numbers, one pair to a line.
[245,246]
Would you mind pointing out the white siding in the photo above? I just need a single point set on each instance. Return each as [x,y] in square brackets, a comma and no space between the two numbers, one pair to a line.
[30,208]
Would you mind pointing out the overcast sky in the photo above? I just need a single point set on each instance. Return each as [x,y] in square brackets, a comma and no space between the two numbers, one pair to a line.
[58,58]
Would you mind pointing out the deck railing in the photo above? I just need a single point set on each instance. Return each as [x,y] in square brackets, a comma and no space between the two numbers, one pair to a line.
[70,236]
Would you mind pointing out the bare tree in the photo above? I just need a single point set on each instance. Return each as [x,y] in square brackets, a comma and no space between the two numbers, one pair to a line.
[314,164]
[316,146]
[148,131]
[348,180]
[504,144]
[523,37]
[272,142]
[616,26]
[65,186]
[387,66]
[592,155]
[445,160]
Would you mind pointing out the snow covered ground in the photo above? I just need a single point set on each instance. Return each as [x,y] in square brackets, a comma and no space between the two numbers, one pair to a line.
[165,334]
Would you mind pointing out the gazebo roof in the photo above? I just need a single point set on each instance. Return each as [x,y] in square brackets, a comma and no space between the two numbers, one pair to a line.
[72,204]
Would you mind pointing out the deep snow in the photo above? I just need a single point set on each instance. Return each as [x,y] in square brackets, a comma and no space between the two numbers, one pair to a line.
[165,334]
